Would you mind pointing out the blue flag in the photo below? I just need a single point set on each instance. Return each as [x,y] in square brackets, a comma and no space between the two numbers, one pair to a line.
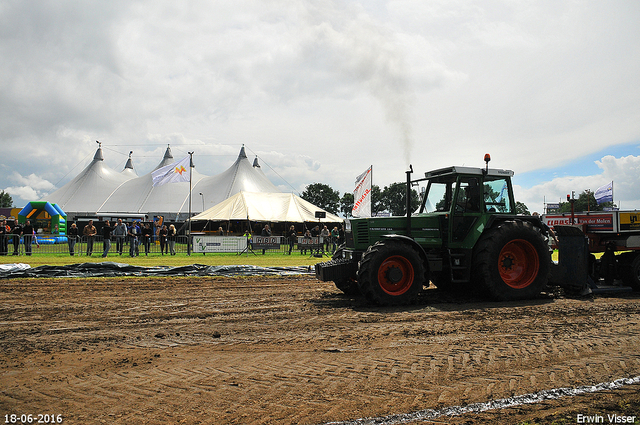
[604,193]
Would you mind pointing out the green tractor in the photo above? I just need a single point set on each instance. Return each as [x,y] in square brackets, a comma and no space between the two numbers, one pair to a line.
[465,233]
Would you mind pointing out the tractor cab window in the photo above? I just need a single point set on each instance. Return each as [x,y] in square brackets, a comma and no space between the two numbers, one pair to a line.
[439,196]
[468,197]
[496,195]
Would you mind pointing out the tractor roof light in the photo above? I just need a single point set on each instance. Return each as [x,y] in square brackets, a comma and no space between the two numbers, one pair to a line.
[487,158]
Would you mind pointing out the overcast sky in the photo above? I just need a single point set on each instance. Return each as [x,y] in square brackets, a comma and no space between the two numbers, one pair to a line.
[319,90]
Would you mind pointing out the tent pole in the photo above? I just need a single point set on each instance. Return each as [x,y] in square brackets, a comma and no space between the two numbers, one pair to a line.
[190,188]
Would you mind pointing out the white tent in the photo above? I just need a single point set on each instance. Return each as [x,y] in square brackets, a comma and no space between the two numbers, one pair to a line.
[138,195]
[88,190]
[102,191]
[241,176]
[269,207]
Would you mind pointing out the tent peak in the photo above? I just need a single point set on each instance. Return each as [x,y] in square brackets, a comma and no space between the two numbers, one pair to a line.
[98,156]
[129,163]
[255,162]
[167,153]
[242,153]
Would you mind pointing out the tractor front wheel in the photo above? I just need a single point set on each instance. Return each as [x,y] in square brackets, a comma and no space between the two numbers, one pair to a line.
[391,273]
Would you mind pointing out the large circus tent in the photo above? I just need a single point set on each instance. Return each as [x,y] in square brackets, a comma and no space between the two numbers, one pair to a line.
[101,192]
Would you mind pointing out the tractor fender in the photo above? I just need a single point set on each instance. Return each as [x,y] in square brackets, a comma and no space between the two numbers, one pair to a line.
[413,243]
[496,220]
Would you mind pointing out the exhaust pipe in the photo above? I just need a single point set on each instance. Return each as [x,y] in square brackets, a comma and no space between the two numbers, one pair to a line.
[408,194]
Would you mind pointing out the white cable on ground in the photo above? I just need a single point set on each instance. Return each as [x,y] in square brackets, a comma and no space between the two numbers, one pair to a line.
[430,414]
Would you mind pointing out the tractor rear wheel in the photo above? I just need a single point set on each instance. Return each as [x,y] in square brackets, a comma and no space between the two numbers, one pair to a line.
[512,261]
[391,273]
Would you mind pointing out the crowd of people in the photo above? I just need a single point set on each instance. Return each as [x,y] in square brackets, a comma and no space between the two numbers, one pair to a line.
[11,235]
[139,237]
[134,234]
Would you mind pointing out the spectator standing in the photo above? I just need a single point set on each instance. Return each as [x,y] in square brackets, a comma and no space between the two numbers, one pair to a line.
[134,239]
[27,237]
[72,238]
[119,233]
[106,238]
[266,231]
[335,235]
[326,238]
[90,232]
[171,239]
[17,232]
[307,241]
[293,236]
[147,235]
[247,234]
[162,235]
[3,238]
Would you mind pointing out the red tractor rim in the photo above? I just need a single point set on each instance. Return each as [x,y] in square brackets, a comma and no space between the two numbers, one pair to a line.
[396,275]
[518,264]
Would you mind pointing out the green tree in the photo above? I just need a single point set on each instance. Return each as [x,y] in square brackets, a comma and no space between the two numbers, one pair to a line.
[5,200]
[376,200]
[323,196]
[393,198]
[586,201]
[522,208]
[346,204]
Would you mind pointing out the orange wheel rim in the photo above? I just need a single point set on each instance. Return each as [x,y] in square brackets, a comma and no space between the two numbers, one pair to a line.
[396,275]
[518,264]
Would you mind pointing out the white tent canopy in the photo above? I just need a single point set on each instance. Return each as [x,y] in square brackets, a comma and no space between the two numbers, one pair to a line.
[138,195]
[241,176]
[88,190]
[101,191]
[270,207]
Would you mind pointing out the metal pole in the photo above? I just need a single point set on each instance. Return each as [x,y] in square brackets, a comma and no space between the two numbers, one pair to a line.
[190,188]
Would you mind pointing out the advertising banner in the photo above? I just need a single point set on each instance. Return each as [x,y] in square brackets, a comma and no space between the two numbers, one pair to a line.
[598,222]
[204,244]
[309,243]
[629,221]
[266,242]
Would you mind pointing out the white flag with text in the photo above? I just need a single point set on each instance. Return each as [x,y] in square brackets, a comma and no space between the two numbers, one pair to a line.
[362,195]
[172,173]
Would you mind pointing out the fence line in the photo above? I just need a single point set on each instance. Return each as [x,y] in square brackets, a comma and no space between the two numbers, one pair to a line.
[58,244]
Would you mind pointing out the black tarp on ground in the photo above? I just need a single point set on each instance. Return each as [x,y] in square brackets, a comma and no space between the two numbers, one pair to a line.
[112,269]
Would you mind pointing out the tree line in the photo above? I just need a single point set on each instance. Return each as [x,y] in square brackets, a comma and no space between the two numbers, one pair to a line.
[586,201]
[390,199]
[5,200]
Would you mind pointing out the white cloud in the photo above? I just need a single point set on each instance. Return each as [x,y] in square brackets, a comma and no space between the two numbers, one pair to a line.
[623,172]
[321,88]
[31,187]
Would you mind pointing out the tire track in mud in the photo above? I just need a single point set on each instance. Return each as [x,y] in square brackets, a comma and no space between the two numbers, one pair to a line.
[291,351]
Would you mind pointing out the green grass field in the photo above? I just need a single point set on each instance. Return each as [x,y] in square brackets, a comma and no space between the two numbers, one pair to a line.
[277,259]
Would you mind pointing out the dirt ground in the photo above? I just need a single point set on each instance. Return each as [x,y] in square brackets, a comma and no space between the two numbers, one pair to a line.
[293,350]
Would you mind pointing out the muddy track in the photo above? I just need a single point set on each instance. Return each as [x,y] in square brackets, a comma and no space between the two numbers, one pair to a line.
[295,350]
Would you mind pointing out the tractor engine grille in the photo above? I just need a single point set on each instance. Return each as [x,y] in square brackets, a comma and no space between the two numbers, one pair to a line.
[361,232]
